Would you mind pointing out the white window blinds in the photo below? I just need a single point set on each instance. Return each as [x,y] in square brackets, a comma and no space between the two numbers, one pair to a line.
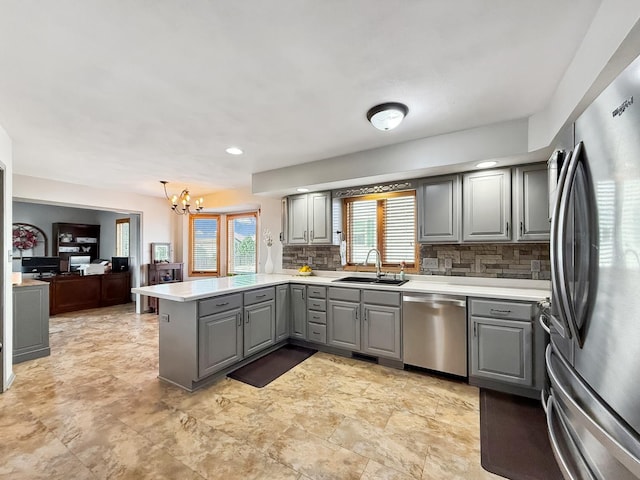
[204,244]
[387,223]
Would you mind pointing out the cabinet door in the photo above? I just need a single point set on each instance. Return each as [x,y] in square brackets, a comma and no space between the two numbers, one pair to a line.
[282,312]
[501,350]
[439,206]
[381,331]
[531,195]
[298,212]
[30,322]
[298,311]
[219,341]
[487,205]
[343,322]
[259,327]
[320,217]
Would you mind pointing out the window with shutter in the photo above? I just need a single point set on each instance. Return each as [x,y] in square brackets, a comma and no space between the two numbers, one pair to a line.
[122,237]
[205,244]
[386,222]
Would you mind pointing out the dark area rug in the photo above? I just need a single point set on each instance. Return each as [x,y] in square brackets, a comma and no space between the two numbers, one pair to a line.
[513,438]
[265,370]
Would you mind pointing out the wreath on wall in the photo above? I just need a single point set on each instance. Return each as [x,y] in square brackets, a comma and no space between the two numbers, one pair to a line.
[28,237]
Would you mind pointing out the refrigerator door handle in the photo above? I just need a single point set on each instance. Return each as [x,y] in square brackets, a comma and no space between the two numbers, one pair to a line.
[572,394]
[564,332]
[568,457]
[565,300]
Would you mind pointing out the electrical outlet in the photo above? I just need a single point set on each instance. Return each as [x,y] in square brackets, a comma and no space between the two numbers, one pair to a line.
[448,263]
[430,263]
[309,260]
[535,265]
[164,317]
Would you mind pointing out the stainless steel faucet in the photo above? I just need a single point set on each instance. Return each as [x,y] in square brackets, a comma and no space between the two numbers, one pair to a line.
[378,261]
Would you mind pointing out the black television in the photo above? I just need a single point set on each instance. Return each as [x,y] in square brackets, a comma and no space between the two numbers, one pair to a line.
[40,265]
[119,264]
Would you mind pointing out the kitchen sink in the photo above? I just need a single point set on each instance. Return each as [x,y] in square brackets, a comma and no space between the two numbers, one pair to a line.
[371,281]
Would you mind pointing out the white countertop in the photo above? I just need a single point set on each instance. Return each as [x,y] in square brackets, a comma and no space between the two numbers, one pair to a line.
[504,288]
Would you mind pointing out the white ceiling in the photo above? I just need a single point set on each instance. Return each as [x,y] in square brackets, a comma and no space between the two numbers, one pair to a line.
[123,94]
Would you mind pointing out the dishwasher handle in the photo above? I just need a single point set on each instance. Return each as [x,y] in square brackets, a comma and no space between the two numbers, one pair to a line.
[434,299]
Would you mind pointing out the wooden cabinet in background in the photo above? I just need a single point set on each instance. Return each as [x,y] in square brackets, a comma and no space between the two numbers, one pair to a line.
[69,293]
[163,273]
[75,239]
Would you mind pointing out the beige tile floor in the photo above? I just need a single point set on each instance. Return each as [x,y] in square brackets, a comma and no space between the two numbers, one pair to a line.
[94,409]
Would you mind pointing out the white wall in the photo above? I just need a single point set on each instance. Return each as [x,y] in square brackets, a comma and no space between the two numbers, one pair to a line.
[240,200]
[6,164]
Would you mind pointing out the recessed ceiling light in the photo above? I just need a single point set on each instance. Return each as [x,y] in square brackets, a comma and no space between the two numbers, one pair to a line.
[387,116]
[234,151]
[488,164]
[302,190]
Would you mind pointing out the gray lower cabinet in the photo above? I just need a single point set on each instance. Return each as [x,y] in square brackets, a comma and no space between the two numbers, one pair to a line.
[501,347]
[381,331]
[259,320]
[219,341]
[344,325]
[298,311]
[282,312]
[30,321]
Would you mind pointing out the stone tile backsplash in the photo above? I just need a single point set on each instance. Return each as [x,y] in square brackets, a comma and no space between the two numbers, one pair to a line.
[493,260]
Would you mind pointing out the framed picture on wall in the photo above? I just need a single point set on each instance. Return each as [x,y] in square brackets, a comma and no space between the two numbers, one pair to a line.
[160,252]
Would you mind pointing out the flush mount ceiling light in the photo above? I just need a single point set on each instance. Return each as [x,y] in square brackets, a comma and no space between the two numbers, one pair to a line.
[302,189]
[487,164]
[234,151]
[387,116]
[181,204]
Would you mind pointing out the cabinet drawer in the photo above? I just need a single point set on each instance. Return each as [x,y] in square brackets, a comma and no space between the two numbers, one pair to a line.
[315,304]
[500,309]
[219,304]
[346,294]
[376,297]
[257,296]
[317,317]
[316,292]
[317,332]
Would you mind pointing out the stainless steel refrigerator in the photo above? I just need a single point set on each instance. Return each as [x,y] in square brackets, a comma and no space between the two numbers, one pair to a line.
[593,358]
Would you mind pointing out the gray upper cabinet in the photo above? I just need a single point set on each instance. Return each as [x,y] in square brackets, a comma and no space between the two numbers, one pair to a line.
[282,312]
[298,311]
[487,205]
[219,341]
[309,219]
[439,209]
[531,199]
[297,218]
[320,217]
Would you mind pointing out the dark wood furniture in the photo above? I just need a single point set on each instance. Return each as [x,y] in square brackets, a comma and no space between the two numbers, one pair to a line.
[163,272]
[76,239]
[69,293]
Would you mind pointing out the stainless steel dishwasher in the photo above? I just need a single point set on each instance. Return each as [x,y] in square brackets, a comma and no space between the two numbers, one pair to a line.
[435,332]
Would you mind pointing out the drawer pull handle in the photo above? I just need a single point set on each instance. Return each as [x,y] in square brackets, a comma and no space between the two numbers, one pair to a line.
[499,312]
[316,317]
[222,304]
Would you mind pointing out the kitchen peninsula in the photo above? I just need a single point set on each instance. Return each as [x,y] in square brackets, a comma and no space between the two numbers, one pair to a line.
[210,327]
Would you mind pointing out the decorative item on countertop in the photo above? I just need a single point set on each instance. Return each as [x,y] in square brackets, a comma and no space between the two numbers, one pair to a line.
[305,271]
[402,265]
[268,240]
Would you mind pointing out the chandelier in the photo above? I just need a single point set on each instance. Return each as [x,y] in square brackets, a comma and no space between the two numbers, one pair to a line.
[181,204]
